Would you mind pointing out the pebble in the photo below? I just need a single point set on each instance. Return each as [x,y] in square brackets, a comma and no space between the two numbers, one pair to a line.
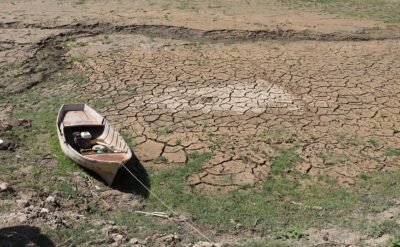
[50,199]
[206,244]
[22,203]
[44,211]
[3,187]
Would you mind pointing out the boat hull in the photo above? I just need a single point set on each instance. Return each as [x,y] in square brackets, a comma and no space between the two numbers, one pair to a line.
[102,164]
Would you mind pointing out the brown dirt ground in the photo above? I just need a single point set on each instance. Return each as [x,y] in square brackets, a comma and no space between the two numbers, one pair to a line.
[337,102]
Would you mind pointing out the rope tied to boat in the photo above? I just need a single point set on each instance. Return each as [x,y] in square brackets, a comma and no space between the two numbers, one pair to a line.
[168,207]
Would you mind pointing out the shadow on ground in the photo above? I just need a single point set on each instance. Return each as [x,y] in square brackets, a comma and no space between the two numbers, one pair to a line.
[124,181]
[23,236]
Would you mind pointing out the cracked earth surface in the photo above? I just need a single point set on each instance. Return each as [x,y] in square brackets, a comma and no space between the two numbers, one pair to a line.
[335,103]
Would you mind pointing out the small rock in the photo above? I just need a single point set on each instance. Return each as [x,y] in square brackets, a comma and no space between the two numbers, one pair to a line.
[206,244]
[50,199]
[118,238]
[317,207]
[22,203]
[3,187]
[135,241]
[44,211]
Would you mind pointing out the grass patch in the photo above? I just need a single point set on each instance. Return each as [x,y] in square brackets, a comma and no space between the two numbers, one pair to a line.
[383,10]
[285,159]
[80,2]
[99,104]
[143,226]
[78,233]
[268,208]
[80,79]
[394,242]
[163,130]
[385,227]
[66,188]
[76,58]
[392,152]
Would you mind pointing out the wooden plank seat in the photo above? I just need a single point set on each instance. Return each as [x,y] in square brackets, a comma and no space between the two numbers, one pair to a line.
[108,157]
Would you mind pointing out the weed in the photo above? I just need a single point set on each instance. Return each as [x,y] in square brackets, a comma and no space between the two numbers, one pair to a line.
[364,176]
[374,142]
[285,159]
[385,227]
[394,242]
[76,58]
[186,4]
[291,233]
[99,104]
[65,188]
[178,141]
[127,137]
[80,79]
[81,44]
[353,141]
[163,130]
[79,2]
[278,136]
[330,158]
[4,208]
[78,233]
[160,159]
[142,225]
[384,10]
[107,39]
[244,158]
[392,152]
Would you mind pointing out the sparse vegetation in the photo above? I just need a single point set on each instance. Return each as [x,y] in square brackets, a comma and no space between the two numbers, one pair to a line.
[285,159]
[385,227]
[163,130]
[385,10]
[76,58]
[392,152]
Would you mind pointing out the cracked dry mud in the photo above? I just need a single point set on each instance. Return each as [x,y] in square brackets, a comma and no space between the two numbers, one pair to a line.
[336,103]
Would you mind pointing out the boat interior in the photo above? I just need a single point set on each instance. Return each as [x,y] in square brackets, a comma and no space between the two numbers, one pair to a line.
[101,133]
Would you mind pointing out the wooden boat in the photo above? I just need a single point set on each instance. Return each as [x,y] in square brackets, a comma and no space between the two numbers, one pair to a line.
[80,118]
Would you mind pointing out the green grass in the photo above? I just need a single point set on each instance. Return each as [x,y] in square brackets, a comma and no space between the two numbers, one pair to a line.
[141,225]
[79,2]
[386,227]
[285,159]
[80,79]
[76,234]
[383,10]
[163,130]
[392,152]
[394,242]
[76,58]
[270,203]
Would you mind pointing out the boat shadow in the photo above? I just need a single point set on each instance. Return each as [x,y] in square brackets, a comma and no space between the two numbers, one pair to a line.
[125,182]
[23,235]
